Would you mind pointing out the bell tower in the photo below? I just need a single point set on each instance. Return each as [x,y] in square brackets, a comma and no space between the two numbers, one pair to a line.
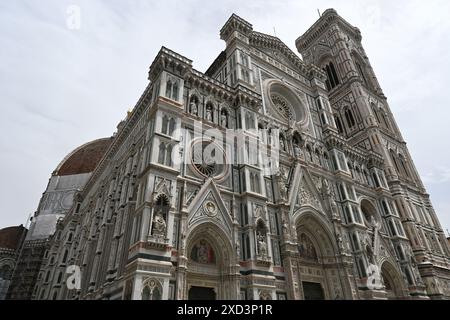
[363,116]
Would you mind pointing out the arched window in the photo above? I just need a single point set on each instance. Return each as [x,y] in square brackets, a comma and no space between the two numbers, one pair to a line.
[168,161]
[375,112]
[151,291]
[169,89]
[404,165]
[59,277]
[69,238]
[146,293]
[64,260]
[376,180]
[175,91]
[385,119]
[162,152]
[362,268]
[355,242]
[400,253]
[350,118]
[394,160]
[172,125]
[362,73]
[165,124]
[392,228]
[249,123]
[332,78]
[408,276]
[339,126]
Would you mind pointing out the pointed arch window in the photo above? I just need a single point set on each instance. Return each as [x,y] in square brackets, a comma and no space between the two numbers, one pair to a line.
[169,88]
[162,152]
[168,161]
[165,124]
[332,78]
[339,126]
[175,91]
[172,126]
[362,73]
[404,165]
[350,118]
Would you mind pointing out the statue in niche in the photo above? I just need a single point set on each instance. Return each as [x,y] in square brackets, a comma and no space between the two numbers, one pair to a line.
[262,245]
[223,120]
[282,145]
[282,184]
[209,114]
[297,150]
[193,107]
[340,243]
[326,189]
[159,225]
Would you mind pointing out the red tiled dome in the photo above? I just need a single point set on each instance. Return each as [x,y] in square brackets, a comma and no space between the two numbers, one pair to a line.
[84,159]
[10,238]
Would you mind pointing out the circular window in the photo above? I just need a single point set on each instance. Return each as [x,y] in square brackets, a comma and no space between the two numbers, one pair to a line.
[285,103]
[282,106]
[208,159]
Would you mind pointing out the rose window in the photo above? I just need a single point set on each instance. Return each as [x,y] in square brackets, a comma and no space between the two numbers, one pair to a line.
[282,106]
[207,158]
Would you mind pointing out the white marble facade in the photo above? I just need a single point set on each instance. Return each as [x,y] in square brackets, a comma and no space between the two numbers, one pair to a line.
[337,212]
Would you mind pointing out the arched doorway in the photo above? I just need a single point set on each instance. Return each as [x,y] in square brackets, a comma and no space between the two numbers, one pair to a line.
[392,281]
[210,264]
[316,260]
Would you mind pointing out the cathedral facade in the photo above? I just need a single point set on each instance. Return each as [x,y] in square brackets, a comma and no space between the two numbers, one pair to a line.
[266,177]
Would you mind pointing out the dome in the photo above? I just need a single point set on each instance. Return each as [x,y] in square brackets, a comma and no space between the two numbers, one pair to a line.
[11,238]
[84,159]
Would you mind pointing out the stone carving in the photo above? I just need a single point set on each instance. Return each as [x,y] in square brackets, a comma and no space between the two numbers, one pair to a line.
[193,107]
[224,120]
[297,150]
[209,114]
[159,225]
[282,185]
[203,253]
[262,245]
[282,145]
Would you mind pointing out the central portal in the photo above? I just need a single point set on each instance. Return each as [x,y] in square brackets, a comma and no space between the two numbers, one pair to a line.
[313,291]
[201,293]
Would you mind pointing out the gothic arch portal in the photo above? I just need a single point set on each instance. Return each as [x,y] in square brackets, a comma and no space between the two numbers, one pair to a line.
[392,281]
[317,258]
[211,262]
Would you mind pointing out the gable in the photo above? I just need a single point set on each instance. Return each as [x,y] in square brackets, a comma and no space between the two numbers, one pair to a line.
[208,206]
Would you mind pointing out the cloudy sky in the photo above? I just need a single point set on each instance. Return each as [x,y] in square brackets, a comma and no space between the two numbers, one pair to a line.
[62,86]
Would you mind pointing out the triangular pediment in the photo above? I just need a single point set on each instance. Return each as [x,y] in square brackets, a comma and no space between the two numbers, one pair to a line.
[307,193]
[276,49]
[208,206]
[277,55]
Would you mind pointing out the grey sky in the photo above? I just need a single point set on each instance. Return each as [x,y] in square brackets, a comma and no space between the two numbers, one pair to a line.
[60,88]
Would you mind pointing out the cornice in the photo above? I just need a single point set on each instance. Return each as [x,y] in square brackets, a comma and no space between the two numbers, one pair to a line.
[329,17]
